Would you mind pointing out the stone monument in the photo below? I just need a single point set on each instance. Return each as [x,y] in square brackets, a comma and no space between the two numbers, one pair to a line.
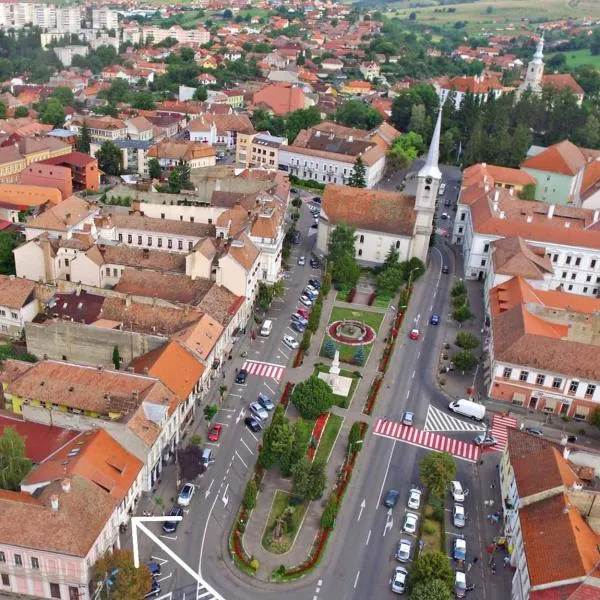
[338,383]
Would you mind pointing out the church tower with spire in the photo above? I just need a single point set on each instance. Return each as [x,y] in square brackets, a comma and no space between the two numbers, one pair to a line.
[428,184]
[535,71]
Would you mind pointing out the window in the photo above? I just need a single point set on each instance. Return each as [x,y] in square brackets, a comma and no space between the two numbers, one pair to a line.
[360,251]
[120,237]
[159,242]
[523,375]
[2,557]
[556,382]
[169,243]
[573,387]
[73,593]
[5,579]
[18,560]
[362,239]
[139,240]
[568,260]
[55,590]
[483,262]
[597,279]
[108,271]
[540,379]
[66,262]
[180,244]
[129,239]
[570,288]
[577,261]
[585,290]
[555,258]
[593,263]
[115,273]
[397,244]
[564,274]
[191,219]
[162,215]
[588,278]
[590,390]
[507,373]
[486,248]
[573,276]
[14,315]
[190,245]
[463,216]
[35,563]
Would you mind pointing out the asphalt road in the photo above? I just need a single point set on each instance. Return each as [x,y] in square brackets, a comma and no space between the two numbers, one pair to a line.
[360,556]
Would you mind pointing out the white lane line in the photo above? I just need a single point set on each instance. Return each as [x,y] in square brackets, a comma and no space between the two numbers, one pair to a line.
[368,538]
[413,375]
[286,355]
[356,580]
[272,391]
[236,395]
[248,447]
[228,409]
[386,473]
[236,453]
[252,435]
[407,394]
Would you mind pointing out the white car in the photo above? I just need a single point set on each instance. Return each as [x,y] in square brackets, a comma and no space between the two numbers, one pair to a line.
[258,411]
[458,515]
[414,499]
[302,261]
[185,496]
[456,489]
[290,341]
[410,522]
[306,300]
[313,290]
[399,580]
[404,550]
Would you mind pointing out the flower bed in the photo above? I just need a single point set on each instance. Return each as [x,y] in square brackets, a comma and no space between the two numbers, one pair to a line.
[367,337]
[370,403]
[287,394]
[372,298]
[351,295]
[317,432]
[298,359]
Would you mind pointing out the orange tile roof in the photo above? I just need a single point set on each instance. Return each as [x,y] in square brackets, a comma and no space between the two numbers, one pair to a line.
[97,457]
[562,81]
[513,256]
[201,337]
[175,366]
[281,99]
[564,158]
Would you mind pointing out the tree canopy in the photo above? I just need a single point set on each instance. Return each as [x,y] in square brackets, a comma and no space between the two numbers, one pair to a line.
[434,589]
[355,113]
[109,158]
[14,465]
[309,478]
[437,470]
[358,175]
[312,397]
[126,582]
[405,148]
[431,566]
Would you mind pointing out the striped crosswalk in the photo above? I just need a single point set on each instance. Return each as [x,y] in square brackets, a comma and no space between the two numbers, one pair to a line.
[264,369]
[426,439]
[500,425]
[438,420]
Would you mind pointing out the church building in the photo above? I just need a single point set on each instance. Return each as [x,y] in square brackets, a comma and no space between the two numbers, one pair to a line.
[383,219]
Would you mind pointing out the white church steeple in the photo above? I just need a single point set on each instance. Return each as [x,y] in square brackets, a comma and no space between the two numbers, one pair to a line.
[535,71]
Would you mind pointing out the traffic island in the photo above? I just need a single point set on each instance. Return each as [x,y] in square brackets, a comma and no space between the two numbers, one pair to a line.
[285,519]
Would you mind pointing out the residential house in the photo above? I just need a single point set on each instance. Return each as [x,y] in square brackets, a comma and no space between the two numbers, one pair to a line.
[370,70]
[264,151]
[357,88]
[280,99]
[139,128]
[101,129]
[18,304]
[134,155]
[193,154]
[219,130]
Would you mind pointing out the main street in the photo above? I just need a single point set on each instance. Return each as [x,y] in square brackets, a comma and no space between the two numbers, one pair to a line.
[360,556]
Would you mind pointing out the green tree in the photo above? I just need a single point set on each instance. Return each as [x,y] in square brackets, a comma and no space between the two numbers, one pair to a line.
[355,113]
[116,358]
[14,465]
[528,192]
[154,170]
[459,289]
[302,435]
[8,242]
[53,113]
[462,313]
[200,94]
[588,77]
[595,41]
[127,582]
[85,139]
[415,268]
[301,119]
[250,494]
[437,470]
[309,478]
[210,410]
[466,340]
[359,356]
[346,273]
[119,91]
[20,112]
[419,122]
[358,175]
[429,566]
[434,589]
[341,243]
[389,280]
[312,397]
[329,347]
[143,101]
[465,360]
[64,95]
[330,512]
[405,148]
[276,440]
[2,110]
[175,181]
[109,158]
[355,438]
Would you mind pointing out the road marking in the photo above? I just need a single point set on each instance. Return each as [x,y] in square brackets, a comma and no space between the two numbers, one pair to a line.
[160,561]
[207,492]
[386,472]
[236,395]
[252,435]
[368,538]
[213,443]
[362,507]
[236,453]
[168,537]
[228,409]
[282,352]
[272,391]
[407,394]
[240,416]
[413,375]
[248,447]
[225,497]
[165,577]
[389,522]
[356,580]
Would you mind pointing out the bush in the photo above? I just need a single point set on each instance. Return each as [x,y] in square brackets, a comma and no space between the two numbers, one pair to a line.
[458,301]
[296,202]
[250,494]
[330,513]
[196,440]
[462,313]
[459,288]
[429,528]
[329,347]
[466,340]
[305,342]
[312,397]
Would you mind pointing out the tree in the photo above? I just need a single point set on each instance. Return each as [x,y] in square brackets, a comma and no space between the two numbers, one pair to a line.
[437,470]
[175,181]
[412,16]
[595,41]
[355,438]
[429,566]
[405,148]
[20,112]
[210,410]
[302,436]
[2,110]
[358,174]
[143,101]
[419,122]
[14,465]
[355,113]
[302,118]
[84,140]
[527,192]
[359,356]
[346,273]
[64,95]
[8,242]
[465,360]
[53,113]
[277,440]
[341,243]
[154,170]
[312,397]
[250,494]
[200,94]
[435,589]
[119,91]
[466,340]
[329,347]
[459,289]
[116,358]
[309,478]
[462,313]
[126,583]
[109,158]
[588,77]
[389,280]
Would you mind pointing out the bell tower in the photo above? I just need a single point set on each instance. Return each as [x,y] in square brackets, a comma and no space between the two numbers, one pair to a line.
[535,70]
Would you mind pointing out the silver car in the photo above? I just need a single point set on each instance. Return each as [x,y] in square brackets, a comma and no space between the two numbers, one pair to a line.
[458,515]
[399,580]
[258,411]
[410,522]
[404,550]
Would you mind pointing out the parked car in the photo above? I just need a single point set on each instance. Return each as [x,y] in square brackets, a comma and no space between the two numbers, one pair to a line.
[534,431]
[315,283]
[302,261]
[414,499]
[312,289]
[314,226]
[399,580]
[414,334]
[314,263]
[305,300]
[258,411]
[252,424]
[445,216]
[290,341]
[410,522]
[186,494]
[442,189]
[485,440]
[459,518]
[298,318]
[298,327]
[310,294]
[317,199]
[154,589]
[154,568]
[207,457]
[404,550]
[265,401]
[391,498]
[445,269]
[215,432]
[460,585]
[293,191]
[296,237]
[241,376]
[408,418]
[435,319]
[303,312]
[459,549]
[456,489]
[171,526]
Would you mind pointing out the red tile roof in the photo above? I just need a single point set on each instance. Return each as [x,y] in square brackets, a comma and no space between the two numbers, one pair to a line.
[281,99]
[564,158]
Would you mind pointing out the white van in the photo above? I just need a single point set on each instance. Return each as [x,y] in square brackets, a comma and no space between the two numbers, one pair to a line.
[468,408]
[266,328]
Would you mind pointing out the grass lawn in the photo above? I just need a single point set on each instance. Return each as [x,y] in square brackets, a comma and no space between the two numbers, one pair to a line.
[582,57]
[381,302]
[279,506]
[328,437]
[340,400]
[431,531]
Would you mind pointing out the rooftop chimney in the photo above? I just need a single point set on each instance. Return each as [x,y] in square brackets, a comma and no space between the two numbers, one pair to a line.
[511,191]
[596,215]
[54,502]
[551,211]
[529,218]
[567,224]
[65,484]
[502,215]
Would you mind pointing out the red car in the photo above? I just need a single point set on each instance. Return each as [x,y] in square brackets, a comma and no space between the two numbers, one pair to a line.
[414,334]
[303,312]
[215,433]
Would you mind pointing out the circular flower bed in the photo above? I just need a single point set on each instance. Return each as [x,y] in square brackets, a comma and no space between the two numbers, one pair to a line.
[352,333]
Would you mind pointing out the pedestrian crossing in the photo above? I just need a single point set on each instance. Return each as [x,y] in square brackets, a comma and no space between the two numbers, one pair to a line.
[500,425]
[264,369]
[438,420]
[426,439]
